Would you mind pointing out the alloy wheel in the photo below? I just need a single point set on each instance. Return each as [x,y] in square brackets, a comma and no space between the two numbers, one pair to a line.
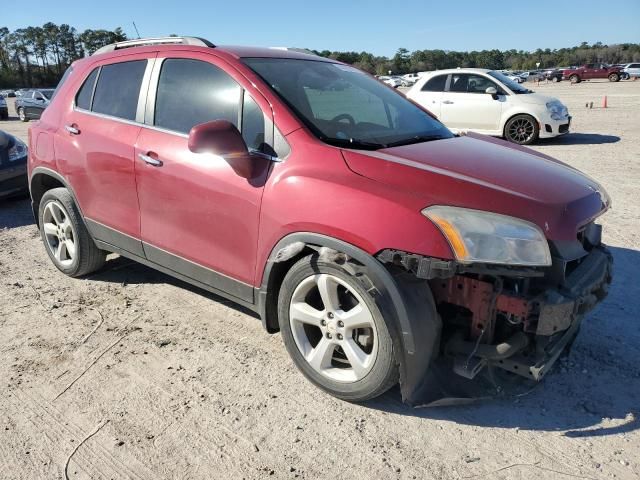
[521,130]
[59,233]
[333,328]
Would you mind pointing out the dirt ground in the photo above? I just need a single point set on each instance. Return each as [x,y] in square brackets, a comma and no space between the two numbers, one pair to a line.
[131,374]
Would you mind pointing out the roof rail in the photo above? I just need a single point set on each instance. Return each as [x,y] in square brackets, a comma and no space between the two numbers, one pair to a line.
[139,42]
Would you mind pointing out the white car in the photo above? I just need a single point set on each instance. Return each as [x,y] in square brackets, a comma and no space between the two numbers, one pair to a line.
[394,82]
[513,76]
[487,102]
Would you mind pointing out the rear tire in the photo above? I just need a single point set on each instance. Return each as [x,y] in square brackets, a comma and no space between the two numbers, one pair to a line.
[65,236]
[522,129]
[574,79]
[614,77]
[22,116]
[334,331]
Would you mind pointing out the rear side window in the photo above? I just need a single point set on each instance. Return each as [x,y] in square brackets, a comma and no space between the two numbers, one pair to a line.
[435,84]
[118,89]
[67,74]
[83,98]
[191,92]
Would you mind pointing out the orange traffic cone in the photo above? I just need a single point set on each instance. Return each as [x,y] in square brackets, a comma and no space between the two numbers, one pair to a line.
[604,103]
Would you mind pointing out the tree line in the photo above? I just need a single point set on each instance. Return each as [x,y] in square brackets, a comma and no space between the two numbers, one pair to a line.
[38,56]
[428,60]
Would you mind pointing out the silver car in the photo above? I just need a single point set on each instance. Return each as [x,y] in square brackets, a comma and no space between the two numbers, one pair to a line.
[632,69]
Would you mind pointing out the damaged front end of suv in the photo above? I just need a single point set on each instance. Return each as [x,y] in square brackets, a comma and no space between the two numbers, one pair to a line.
[503,325]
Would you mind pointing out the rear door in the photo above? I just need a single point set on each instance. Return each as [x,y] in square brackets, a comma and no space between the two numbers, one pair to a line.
[430,95]
[95,147]
[466,105]
[200,218]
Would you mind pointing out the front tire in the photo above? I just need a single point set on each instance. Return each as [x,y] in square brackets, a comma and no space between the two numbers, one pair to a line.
[555,79]
[522,129]
[334,331]
[614,77]
[574,79]
[65,236]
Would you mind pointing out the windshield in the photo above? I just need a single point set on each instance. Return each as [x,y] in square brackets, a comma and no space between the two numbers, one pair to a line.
[512,85]
[343,106]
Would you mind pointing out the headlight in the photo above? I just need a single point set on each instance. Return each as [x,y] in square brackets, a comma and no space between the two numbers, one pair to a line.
[18,151]
[557,110]
[484,237]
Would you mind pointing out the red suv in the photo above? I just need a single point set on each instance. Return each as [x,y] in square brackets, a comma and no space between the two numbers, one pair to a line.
[383,247]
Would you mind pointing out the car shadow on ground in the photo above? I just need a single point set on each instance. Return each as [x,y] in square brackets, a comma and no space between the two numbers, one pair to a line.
[599,379]
[580,139]
[122,270]
[16,212]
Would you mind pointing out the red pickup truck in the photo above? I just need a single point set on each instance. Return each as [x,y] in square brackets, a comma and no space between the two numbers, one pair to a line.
[591,71]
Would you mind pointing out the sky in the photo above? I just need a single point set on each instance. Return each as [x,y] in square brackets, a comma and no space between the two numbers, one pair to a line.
[379,27]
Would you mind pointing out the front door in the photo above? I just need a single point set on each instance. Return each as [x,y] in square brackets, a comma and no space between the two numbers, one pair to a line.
[467,106]
[198,217]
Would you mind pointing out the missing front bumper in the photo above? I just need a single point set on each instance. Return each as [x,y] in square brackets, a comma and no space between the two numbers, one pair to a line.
[551,319]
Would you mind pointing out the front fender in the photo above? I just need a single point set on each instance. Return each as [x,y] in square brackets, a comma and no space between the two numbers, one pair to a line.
[405,302]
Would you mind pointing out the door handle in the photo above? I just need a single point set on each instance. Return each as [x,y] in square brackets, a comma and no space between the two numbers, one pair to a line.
[447,102]
[72,129]
[150,160]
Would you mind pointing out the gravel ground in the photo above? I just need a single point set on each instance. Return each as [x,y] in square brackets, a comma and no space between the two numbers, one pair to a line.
[131,374]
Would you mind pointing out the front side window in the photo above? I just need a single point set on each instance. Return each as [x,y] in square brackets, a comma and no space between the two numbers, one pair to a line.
[343,106]
[469,83]
[118,88]
[191,92]
[435,84]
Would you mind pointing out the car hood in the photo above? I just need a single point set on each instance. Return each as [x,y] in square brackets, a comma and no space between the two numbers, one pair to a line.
[485,173]
[536,98]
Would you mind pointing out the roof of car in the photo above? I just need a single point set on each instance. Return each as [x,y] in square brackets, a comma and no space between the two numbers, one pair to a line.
[461,70]
[194,43]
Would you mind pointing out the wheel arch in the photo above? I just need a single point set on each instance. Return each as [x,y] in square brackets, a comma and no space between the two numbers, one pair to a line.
[415,325]
[43,179]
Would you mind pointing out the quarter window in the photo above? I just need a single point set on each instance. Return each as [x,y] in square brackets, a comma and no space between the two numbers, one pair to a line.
[191,92]
[83,99]
[118,88]
[435,84]
[252,124]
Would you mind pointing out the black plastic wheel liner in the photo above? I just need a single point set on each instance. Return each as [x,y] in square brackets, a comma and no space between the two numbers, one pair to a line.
[405,302]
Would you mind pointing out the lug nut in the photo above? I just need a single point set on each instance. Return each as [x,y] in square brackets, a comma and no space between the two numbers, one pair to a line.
[339,336]
[340,323]
[329,335]
[323,322]
[330,315]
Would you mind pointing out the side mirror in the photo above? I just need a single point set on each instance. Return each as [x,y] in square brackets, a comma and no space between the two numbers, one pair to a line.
[221,137]
[491,91]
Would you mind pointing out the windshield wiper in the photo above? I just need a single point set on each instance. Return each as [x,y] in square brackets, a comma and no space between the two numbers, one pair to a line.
[354,143]
[415,139]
